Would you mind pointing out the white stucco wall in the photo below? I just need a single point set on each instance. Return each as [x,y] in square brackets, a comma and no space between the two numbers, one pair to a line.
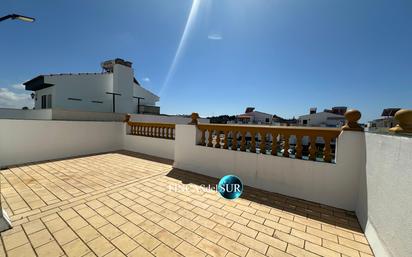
[385,195]
[91,87]
[372,174]
[331,184]
[18,114]
[87,87]
[45,91]
[123,85]
[23,141]
[322,119]
[260,117]
[149,98]
[159,147]
[61,114]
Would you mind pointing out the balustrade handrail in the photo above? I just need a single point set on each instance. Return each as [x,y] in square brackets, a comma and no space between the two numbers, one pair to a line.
[255,126]
[279,139]
[159,124]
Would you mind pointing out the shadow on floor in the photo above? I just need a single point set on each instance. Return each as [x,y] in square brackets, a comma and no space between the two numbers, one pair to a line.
[319,212]
[146,157]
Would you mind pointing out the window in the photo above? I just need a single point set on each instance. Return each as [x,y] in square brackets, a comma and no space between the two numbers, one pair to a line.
[305,122]
[267,120]
[43,101]
[46,101]
[74,99]
[49,101]
[97,102]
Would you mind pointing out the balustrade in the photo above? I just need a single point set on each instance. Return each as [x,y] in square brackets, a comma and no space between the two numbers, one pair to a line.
[152,129]
[293,142]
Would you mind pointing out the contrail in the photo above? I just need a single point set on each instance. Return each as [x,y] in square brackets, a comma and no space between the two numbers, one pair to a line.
[189,24]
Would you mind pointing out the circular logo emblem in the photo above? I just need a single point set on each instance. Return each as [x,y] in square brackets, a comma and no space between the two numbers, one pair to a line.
[230,187]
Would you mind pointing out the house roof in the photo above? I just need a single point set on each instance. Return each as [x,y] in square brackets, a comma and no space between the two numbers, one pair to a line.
[37,83]
[253,114]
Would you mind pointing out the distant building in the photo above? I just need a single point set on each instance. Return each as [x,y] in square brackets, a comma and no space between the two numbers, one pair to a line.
[386,121]
[254,117]
[113,90]
[327,118]
[277,120]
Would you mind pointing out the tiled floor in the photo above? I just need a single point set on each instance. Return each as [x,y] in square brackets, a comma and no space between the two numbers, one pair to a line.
[120,204]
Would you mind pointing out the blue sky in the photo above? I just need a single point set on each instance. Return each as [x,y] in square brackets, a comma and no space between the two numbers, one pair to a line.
[280,56]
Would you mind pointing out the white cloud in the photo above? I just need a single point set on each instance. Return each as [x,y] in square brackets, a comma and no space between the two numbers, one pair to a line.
[215,36]
[10,99]
[18,86]
[146,79]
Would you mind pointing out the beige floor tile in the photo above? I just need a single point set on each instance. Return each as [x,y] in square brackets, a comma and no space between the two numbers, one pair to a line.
[40,238]
[211,248]
[147,241]
[164,251]
[273,252]
[100,246]
[14,240]
[87,233]
[24,250]
[109,231]
[75,248]
[124,243]
[168,238]
[115,253]
[189,236]
[141,252]
[233,246]
[130,229]
[187,249]
[253,244]
[64,236]
[33,226]
[320,250]
[50,249]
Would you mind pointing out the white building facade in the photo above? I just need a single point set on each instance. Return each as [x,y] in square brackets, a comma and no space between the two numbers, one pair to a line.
[114,90]
[322,119]
[254,117]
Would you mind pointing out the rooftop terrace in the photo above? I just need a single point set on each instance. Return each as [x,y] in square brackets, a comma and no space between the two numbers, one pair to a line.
[123,203]
[139,188]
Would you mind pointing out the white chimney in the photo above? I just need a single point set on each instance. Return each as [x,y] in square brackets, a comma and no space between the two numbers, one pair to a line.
[122,84]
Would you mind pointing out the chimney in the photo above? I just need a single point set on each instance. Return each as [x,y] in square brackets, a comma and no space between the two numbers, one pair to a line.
[108,66]
[122,84]
[312,110]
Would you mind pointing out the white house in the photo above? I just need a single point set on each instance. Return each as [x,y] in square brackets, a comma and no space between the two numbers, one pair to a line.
[385,122]
[113,90]
[322,119]
[254,117]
